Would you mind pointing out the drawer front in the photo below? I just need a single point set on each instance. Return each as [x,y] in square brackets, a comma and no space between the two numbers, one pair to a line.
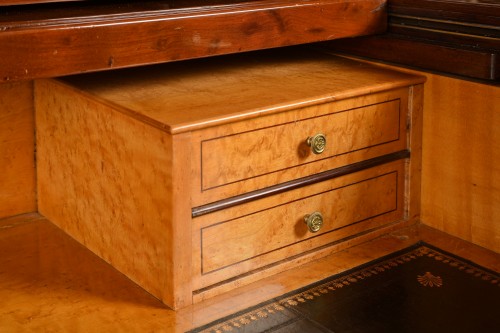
[260,155]
[238,245]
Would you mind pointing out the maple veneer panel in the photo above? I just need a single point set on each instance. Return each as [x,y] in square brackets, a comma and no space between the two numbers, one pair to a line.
[460,191]
[194,94]
[110,182]
[91,295]
[280,146]
[461,160]
[281,228]
[229,242]
[17,149]
[272,149]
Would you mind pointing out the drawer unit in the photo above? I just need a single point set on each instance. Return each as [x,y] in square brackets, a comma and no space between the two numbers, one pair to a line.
[195,178]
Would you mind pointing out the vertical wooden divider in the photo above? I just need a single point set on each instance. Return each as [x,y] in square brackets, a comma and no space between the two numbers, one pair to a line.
[414,169]
[180,228]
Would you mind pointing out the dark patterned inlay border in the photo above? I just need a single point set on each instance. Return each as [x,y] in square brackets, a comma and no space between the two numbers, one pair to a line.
[291,301]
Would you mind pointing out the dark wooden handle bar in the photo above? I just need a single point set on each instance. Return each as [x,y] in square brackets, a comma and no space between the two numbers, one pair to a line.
[58,39]
[298,183]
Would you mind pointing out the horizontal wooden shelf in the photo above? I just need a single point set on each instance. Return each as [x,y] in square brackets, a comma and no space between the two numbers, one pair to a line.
[477,64]
[472,11]
[455,37]
[50,40]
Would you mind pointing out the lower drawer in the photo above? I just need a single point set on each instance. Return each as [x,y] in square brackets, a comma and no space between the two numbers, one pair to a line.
[272,230]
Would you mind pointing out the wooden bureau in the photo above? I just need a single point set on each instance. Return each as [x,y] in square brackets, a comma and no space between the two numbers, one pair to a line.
[197,177]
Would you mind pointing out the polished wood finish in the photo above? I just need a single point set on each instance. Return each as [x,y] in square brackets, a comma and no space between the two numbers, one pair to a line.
[483,12]
[273,149]
[224,161]
[48,282]
[453,37]
[461,169]
[440,58]
[298,183]
[321,85]
[415,143]
[460,184]
[62,39]
[197,90]
[17,149]
[124,179]
[249,237]
[75,290]
[112,183]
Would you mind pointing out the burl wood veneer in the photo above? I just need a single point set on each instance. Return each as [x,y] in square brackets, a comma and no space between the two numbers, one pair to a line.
[153,168]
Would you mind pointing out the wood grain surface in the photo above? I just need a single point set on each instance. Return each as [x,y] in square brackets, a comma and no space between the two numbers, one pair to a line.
[49,282]
[58,40]
[29,2]
[469,63]
[460,184]
[111,182]
[461,169]
[17,149]
[413,174]
[457,37]
[265,89]
[298,183]
[283,215]
[256,152]
[236,240]
[190,95]
[120,166]
[274,150]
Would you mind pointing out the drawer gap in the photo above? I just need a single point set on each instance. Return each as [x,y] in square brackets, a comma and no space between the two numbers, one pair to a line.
[298,183]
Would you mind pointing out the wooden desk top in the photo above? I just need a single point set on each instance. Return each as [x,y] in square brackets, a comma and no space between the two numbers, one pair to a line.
[50,283]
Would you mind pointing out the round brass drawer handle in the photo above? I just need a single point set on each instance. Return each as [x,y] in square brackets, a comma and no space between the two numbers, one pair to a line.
[314,221]
[317,143]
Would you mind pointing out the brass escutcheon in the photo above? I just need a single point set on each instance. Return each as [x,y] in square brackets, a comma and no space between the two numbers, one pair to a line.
[317,143]
[314,221]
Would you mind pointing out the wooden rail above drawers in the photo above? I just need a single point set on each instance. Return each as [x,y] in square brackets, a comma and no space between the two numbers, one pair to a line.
[58,39]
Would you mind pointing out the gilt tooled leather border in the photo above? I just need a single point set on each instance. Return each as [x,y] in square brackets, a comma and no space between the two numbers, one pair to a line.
[427,279]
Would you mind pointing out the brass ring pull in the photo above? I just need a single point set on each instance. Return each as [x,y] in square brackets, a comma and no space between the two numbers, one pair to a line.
[317,143]
[314,221]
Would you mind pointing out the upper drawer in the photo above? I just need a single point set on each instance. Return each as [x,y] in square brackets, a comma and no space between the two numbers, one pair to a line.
[239,158]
